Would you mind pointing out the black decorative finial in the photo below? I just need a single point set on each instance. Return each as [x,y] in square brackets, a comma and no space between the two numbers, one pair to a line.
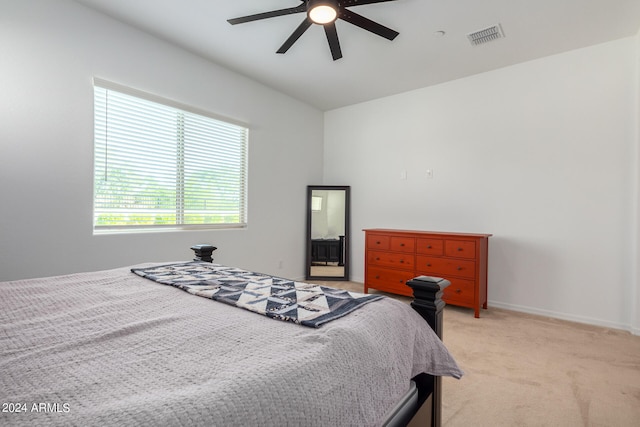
[203,252]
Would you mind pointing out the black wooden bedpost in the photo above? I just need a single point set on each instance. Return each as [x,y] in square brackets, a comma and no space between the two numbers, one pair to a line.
[203,252]
[427,293]
[427,299]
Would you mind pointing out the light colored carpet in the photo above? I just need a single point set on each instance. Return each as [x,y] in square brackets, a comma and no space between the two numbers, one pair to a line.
[526,370]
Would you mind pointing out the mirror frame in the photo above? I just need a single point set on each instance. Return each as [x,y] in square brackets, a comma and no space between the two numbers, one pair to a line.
[347,236]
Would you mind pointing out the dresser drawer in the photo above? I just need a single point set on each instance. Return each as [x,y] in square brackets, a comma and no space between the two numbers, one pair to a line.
[403,244]
[460,291]
[430,246]
[376,241]
[391,259]
[393,281]
[460,248]
[445,267]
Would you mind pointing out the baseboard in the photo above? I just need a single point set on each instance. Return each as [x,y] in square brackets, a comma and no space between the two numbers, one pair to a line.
[565,316]
[357,280]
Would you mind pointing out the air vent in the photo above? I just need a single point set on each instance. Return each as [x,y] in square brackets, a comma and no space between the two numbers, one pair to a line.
[486,35]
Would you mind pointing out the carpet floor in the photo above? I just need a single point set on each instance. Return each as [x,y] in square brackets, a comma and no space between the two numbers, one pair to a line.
[527,370]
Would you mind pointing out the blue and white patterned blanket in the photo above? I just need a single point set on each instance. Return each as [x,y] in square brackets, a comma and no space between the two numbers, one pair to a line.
[303,303]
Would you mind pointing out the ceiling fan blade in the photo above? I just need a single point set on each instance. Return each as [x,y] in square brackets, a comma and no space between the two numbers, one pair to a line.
[332,38]
[295,36]
[271,14]
[349,3]
[367,24]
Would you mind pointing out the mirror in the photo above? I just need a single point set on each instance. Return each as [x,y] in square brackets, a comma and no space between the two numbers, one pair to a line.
[328,232]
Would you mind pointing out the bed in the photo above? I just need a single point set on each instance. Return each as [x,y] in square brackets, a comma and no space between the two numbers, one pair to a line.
[116,348]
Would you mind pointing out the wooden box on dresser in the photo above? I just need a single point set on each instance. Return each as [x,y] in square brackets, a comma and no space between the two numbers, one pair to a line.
[392,257]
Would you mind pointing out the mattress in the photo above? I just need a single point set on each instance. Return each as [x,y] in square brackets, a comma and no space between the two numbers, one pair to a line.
[113,348]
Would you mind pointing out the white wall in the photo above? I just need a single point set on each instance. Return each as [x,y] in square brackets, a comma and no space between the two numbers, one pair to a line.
[49,52]
[540,154]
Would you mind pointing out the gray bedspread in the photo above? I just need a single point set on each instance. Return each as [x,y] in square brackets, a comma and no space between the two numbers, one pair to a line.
[112,348]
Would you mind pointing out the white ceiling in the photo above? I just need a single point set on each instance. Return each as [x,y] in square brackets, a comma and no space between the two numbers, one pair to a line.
[373,67]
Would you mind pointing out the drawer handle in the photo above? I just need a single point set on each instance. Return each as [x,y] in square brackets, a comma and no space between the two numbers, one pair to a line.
[428,246]
[378,242]
[377,277]
[428,264]
[377,258]
[401,261]
[459,249]
[458,291]
[401,244]
[401,281]
[459,268]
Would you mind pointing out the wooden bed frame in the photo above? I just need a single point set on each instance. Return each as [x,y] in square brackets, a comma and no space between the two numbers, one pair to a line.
[427,294]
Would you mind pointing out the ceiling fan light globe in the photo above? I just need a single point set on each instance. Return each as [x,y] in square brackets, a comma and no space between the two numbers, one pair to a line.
[322,12]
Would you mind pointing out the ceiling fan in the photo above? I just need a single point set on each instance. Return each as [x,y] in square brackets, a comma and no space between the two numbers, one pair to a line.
[325,13]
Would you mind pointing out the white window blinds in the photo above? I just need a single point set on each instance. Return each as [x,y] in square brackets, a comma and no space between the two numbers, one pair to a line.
[158,164]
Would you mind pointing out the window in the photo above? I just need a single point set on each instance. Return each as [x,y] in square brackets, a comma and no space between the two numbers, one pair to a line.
[158,164]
